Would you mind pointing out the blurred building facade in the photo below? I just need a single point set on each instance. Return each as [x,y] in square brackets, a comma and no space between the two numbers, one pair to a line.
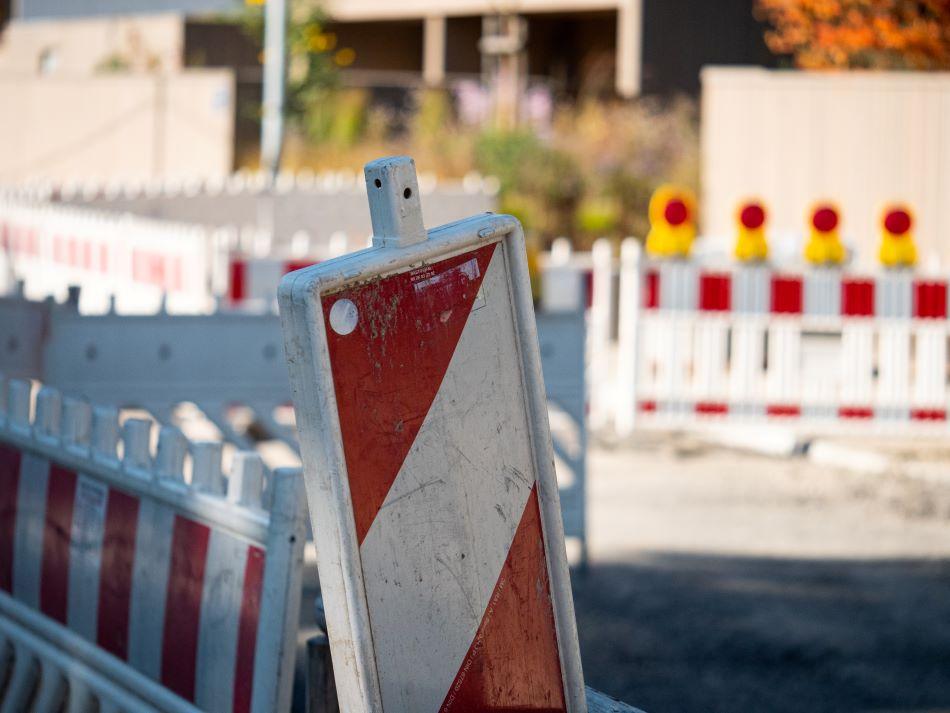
[584,47]
[54,53]
[579,47]
[108,97]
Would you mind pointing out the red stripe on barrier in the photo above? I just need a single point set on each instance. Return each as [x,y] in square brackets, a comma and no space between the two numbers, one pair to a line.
[786,295]
[513,663]
[384,387]
[928,414]
[588,288]
[57,537]
[183,606]
[247,629]
[651,290]
[930,300]
[294,265]
[115,576]
[856,412]
[715,294]
[857,298]
[783,411]
[9,487]
[648,406]
[238,287]
[711,408]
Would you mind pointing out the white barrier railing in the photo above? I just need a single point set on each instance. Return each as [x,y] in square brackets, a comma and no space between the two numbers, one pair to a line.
[318,206]
[219,361]
[125,585]
[141,265]
[818,347]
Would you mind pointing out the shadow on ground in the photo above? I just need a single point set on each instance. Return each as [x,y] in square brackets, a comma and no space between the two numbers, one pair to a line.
[709,634]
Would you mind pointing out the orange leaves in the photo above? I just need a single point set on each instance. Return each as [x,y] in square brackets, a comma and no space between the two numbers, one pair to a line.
[883,34]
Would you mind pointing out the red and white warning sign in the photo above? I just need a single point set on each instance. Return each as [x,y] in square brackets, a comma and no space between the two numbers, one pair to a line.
[429,466]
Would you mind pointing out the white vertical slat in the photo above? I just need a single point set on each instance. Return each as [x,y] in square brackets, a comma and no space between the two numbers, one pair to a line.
[783,377]
[709,358]
[930,366]
[85,559]
[893,364]
[629,322]
[153,540]
[598,335]
[28,537]
[857,363]
[746,375]
[219,621]
[674,359]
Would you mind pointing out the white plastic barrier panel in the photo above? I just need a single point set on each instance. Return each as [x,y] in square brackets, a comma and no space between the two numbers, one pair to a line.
[823,348]
[429,466]
[129,588]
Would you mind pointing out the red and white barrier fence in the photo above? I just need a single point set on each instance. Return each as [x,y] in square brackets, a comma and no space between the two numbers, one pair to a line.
[139,262]
[125,587]
[140,265]
[752,342]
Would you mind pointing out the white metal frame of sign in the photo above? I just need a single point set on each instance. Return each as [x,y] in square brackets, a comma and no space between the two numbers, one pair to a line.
[429,466]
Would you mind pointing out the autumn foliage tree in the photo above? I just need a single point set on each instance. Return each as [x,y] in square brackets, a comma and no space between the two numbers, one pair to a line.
[847,34]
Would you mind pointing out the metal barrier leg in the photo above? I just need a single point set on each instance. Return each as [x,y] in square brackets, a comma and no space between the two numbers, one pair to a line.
[52,689]
[22,681]
[321,688]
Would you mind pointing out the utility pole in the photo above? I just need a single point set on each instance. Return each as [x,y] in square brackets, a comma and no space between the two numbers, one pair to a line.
[502,47]
[275,60]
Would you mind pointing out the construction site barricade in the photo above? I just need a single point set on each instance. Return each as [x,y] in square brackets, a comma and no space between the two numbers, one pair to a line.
[125,587]
[429,466]
[824,346]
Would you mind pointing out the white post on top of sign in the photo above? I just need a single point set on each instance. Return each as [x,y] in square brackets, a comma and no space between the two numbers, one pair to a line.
[429,466]
[394,204]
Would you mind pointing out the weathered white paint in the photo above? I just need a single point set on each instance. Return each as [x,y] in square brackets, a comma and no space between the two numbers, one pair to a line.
[367,657]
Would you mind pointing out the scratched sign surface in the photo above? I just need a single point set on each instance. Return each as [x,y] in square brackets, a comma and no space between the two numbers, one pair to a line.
[436,437]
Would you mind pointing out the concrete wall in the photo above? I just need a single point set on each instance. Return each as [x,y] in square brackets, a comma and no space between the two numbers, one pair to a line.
[83,46]
[860,138]
[117,125]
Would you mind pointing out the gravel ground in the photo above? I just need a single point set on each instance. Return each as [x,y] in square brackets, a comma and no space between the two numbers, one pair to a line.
[723,581]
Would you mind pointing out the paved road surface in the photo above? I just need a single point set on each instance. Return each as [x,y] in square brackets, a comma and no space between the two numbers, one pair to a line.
[729,582]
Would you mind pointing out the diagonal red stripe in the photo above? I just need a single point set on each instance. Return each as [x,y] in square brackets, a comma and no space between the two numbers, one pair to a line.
[247,629]
[183,606]
[513,663]
[57,536]
[387,371]
[9,487]
[115,575]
